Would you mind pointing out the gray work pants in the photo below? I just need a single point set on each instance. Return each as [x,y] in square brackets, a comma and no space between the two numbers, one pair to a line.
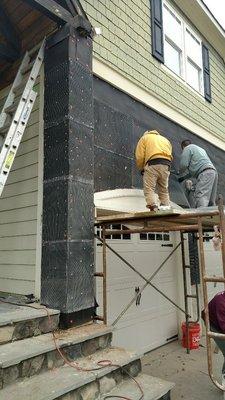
[206,188]
[221,344]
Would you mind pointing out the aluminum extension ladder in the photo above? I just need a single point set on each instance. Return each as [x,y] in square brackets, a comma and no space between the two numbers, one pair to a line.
[17,109]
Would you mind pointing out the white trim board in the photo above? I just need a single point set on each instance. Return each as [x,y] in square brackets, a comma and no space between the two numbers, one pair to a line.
[116,79]
[40,189]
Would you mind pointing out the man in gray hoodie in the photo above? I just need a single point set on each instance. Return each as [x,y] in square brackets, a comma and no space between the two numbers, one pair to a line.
[195,163]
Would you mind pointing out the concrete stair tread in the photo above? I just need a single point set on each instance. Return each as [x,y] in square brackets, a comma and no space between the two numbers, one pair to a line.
[52,384]
[153,388]
[11,313]
[15,352]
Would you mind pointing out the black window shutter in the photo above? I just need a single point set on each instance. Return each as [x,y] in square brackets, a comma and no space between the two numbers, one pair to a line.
[157,30]
[206,73]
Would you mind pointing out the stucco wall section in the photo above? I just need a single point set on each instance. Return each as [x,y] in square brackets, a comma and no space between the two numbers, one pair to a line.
[125,45]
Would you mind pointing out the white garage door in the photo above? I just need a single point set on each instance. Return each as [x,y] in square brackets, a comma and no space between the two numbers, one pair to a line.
[153,322]
[213,261]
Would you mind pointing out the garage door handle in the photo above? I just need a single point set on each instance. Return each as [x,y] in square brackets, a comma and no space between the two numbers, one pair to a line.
[167,245]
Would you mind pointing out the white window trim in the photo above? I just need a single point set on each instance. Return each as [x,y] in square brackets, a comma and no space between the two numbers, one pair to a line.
[182,80]
[184,57]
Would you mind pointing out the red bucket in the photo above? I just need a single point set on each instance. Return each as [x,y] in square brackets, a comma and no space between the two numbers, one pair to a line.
[194,335]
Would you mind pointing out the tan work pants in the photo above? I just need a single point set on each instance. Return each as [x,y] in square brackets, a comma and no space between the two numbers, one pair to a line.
[156,175]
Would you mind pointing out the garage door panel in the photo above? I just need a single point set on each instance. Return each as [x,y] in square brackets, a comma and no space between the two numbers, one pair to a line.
[115,267]
[148,325]
[151,302]
[145,335]
[151,261]
[213,268]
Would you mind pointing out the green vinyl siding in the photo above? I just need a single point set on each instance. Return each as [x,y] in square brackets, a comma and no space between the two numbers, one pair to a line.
[125,45]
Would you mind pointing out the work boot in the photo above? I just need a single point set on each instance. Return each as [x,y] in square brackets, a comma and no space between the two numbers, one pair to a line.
[164,208]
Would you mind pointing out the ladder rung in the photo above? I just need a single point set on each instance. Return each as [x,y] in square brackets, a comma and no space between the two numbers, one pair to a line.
[100,274]
[187,266]
[216,335]
[192,296]
[28,67]
[214,279]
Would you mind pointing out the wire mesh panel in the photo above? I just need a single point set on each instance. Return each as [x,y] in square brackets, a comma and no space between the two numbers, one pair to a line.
[194,259]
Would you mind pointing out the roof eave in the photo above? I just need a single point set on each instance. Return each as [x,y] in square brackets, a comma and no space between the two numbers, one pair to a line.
[200,15]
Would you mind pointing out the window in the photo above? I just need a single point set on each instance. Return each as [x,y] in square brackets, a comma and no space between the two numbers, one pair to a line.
[193,61]
[207,237]
[124,236]
[172,41]
[165,237]
[182,49]
[178,46]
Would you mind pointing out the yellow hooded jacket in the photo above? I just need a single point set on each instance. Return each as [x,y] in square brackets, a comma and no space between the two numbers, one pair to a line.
[152,145]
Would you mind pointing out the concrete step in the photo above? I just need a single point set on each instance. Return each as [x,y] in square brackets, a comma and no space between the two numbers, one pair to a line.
[69,383]
[32,356]
[19,322]
[153,388]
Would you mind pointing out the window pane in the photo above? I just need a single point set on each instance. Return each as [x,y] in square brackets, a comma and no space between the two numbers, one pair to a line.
[159,236]
[172,58]
[166,237]
[193,48]
[172,26]
[126,236]
[193,76]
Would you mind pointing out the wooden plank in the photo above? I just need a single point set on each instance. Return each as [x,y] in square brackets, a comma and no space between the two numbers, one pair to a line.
[8,30]
[19,228]
[7,53]
[17,215]
[25,257]
[79,8]
[17,11]
[52,10]
[39,29]
[18,243]
[21,201]
[18,272]
[28,19]
[136,215]
[23,174]
[15,189]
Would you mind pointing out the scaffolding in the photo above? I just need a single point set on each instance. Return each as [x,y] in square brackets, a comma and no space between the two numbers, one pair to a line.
[196,221]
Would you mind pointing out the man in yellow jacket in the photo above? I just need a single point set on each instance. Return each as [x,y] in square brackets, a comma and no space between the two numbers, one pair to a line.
[153,157]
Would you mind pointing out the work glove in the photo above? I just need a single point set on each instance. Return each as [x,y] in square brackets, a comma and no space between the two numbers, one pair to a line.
[189,185]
